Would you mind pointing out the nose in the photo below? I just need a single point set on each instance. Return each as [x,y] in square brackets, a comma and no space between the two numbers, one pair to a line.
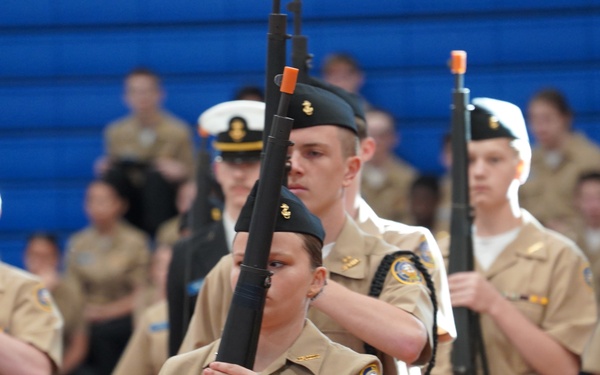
[296,165]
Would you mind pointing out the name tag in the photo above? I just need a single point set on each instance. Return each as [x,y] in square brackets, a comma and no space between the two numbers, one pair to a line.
[159,326]
[194,287]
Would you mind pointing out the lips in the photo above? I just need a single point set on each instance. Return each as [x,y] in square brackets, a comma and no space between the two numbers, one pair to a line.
[296,188]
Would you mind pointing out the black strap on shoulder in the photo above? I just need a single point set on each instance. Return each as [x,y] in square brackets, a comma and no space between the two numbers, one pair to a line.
[377,286]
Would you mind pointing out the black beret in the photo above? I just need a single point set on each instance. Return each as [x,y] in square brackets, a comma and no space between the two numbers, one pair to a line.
[353,100]
[237,126]
[313,106]
[292,215]
[491,118]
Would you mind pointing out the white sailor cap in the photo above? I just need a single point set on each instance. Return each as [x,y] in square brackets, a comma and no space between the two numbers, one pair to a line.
[237,126]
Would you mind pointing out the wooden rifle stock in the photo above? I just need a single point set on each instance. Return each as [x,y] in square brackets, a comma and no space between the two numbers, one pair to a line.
[468,343]
[242,328]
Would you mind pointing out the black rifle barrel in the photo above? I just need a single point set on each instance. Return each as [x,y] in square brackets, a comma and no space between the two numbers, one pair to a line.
[300,58]
[276,58]
[240,336]
[461,243]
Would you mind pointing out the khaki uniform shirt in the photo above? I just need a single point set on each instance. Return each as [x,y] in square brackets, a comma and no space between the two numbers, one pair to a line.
[548,193]
[28,313]
[168,232]
[311,353]
[547,278]
[419,240]
[146,350]
[171,138]
[69,302]
[352,263]
[591,357]
[389,197]
[108,268]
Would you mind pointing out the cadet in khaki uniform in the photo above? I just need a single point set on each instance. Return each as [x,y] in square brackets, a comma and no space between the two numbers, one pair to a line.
[237,127]
[288,343]
[148,153]
[417,239]
[560,157]
[324,162]
[587,198]
[531,286]
[108,261]
[147,351]
[386,179]
[42,258]
[30,325]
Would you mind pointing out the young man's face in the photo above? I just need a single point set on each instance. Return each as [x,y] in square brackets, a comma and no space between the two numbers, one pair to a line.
[142,93]
[237,180]
[320,171]
[588,202]
[493,168]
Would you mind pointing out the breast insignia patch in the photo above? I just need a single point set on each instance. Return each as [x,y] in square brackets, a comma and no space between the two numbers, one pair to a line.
[405,272]
[371,369]
[42,298]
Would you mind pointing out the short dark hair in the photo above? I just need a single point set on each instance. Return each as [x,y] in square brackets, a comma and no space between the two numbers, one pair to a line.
[340,57]
[587,176]
[427,181]
[45,236]
[555,98]
[144,71]
[253,91]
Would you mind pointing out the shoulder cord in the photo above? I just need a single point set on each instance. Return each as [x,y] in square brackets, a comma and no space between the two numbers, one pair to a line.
[377,286]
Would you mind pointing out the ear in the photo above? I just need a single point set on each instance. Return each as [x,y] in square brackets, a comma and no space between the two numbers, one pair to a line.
[318,282]
[216,170]
[367,149]
[353,164]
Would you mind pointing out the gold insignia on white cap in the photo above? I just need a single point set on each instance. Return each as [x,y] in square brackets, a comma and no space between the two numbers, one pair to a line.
[217,118]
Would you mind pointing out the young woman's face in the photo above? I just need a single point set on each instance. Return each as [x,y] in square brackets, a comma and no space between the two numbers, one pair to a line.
[293,282]
[102,204]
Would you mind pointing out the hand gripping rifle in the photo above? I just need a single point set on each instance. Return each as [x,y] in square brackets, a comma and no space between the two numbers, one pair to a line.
[240,336]
[468,343]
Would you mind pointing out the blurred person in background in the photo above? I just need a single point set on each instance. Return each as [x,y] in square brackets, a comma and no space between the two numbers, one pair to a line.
[43,258]
[559,158]
[108,261]
[148,153]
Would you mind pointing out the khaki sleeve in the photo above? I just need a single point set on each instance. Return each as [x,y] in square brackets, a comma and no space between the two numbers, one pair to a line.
[212,306]
[138,274]
[571,312]
[591,358]
[186,151]
[37,321]
[402,291]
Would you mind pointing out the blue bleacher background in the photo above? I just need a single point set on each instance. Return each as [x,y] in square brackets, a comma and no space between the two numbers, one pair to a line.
[62,63]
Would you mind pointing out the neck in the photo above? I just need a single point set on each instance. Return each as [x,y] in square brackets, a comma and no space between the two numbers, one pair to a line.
[148,119]
[275,341]
[497,220]
[352,196]
[333,220]
[106,228]
[232,211]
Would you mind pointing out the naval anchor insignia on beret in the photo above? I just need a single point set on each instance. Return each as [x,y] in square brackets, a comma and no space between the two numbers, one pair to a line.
[494,122]
[307,108]
[285,211]
[237,126]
